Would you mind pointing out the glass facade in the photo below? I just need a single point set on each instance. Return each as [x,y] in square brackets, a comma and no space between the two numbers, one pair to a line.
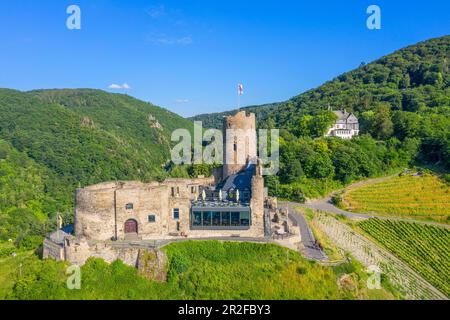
[216,219]
[235,221]
[220,219]
[197,219]
[225,219]
[207,218]
[245,219]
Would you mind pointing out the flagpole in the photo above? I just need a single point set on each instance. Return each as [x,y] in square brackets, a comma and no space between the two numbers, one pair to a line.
[239,100]
[239,93]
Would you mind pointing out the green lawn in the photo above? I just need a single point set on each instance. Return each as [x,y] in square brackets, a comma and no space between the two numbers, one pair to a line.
[197,270]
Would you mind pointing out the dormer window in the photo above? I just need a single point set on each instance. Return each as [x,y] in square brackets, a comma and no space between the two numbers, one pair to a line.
[129,206]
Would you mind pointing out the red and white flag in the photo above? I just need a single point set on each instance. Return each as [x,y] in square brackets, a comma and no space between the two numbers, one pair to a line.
[240,89]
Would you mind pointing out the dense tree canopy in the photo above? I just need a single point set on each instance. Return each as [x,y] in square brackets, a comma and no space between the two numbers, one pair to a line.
[405,95]
[402,102]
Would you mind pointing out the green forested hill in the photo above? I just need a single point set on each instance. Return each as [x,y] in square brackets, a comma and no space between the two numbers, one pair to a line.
[52,141]
[402,101]
[214,120]
[403,95]
[87,136]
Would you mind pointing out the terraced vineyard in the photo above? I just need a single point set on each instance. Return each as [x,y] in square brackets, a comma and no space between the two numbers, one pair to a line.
[424,198]
[424,248]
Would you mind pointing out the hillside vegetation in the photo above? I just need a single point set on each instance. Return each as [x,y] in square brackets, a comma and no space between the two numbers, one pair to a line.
[402,101]
[420,197]
[423,247]
[198,270]
[53,141]
[30,196]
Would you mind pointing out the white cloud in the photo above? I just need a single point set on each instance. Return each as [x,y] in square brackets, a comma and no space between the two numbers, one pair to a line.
[182,101]
[115,86]
[167,40]
[184,41]
[156,11]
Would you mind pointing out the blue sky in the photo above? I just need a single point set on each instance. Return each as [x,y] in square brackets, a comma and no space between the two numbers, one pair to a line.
[189,56]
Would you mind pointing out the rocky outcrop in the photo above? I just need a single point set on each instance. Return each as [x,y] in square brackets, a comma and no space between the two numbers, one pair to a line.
[154,123]
[153,264]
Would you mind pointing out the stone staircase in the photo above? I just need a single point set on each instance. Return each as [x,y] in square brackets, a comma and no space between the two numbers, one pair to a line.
[132,237]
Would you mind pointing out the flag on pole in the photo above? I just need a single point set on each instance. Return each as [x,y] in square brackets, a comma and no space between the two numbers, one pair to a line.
[240,89]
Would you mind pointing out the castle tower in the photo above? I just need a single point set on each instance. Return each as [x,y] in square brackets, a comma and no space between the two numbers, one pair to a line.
[239,134]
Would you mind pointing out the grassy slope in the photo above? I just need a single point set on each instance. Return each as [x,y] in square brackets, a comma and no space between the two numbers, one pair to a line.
[425,198]
[198,270]
[425,248]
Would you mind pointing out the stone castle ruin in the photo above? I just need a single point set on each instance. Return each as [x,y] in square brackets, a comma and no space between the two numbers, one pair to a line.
[117,220]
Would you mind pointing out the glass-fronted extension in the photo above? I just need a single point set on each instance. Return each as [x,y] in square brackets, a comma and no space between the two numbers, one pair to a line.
[223,218]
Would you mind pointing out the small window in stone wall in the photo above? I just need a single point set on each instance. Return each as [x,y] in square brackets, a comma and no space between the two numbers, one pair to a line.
[129,206]
[175,191]
[176,213]
[152,218]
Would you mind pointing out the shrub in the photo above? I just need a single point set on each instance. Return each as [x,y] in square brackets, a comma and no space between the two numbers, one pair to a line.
[336,199]
[447,177]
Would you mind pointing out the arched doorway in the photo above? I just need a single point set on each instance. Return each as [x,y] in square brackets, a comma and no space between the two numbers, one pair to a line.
[131,226]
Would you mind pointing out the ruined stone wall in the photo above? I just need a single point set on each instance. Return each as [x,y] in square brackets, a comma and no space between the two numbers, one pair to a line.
[145,201]
[241,146]
[151,262]
[78,251]
[257,204]
[102,210]
[94,213]
[52,250]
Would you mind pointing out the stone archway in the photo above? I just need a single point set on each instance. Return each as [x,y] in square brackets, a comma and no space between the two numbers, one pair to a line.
[131,226]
